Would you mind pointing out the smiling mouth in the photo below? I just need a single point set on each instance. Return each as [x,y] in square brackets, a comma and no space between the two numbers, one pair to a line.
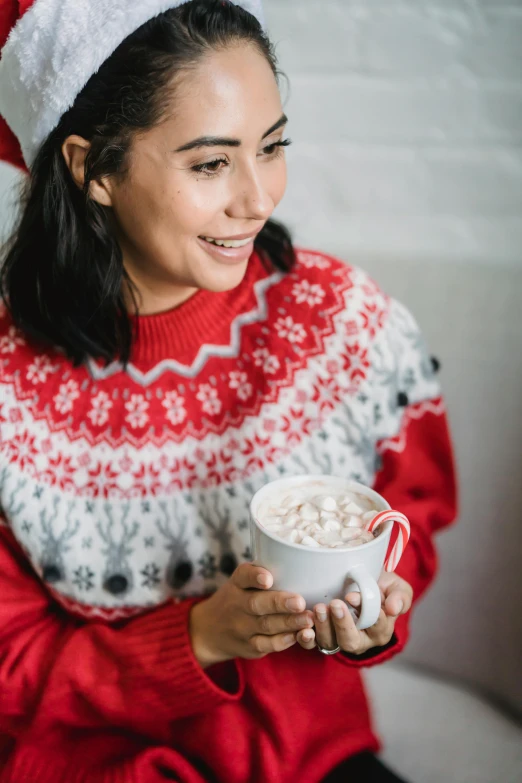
[228,242]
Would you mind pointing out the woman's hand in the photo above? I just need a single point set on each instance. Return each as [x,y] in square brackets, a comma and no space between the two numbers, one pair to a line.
[245,619]
[334,625]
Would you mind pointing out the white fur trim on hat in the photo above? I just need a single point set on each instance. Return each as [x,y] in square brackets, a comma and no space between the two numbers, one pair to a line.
[56,47]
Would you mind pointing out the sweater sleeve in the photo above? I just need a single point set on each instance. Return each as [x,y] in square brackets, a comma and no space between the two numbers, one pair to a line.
[140,674]
[414,458]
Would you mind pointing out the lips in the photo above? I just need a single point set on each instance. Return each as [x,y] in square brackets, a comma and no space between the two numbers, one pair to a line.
[228,255]
[236,242]
[249,235]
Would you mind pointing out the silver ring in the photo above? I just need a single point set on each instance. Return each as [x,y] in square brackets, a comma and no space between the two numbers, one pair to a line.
[328,652]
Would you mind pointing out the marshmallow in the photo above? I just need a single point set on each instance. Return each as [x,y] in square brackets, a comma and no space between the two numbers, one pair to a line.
[276,511]
[324,520]
[330,539]
[328,515]
[294,536]
[365,503]
[359,541]
[352,508]
[325,502]
[366,536]
[309,541]
[292,501]
[332,524]
[308,511]
[349,533]
[269,521]
[352,520]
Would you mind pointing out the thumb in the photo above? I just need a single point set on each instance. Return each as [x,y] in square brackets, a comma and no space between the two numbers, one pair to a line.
[394,605]
[354,599]
[248,576]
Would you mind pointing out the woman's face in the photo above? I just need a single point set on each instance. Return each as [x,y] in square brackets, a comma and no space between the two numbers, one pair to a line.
[183,186]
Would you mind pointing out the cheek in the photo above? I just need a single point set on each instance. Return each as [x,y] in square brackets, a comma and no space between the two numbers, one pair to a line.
[162,206]
[277,184]
[193,206]
[143,211]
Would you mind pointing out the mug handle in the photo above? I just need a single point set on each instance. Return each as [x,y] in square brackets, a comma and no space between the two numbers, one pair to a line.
[370,596]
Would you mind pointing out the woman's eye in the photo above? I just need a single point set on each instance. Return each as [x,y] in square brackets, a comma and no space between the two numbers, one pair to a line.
[276,147]
[212,167]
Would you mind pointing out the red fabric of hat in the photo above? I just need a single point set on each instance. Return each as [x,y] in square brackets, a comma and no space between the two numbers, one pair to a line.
[49,51]
[10,12]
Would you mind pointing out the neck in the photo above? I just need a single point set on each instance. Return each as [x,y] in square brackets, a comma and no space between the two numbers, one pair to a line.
[155,298]
[180,330]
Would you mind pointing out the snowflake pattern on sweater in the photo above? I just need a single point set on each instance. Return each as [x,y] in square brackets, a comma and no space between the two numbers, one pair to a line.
[128,487]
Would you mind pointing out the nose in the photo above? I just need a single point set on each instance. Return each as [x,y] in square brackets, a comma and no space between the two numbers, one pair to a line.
[251,198]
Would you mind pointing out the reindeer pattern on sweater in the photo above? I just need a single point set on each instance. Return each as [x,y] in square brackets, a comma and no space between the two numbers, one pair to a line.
[127,487]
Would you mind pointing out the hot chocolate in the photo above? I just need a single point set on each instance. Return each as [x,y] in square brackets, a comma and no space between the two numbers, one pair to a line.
[316,518]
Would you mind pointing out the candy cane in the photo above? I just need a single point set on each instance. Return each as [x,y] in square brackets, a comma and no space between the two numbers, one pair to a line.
[392,561]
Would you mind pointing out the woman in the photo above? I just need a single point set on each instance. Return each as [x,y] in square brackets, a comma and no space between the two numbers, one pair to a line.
[165,351]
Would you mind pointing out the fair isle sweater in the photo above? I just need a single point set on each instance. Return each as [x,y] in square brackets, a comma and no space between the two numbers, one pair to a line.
[124,497]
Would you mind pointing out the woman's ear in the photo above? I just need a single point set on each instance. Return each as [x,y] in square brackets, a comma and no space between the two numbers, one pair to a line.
[74,151]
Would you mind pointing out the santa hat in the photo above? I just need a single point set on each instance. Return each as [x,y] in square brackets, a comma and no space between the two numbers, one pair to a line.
[50,49]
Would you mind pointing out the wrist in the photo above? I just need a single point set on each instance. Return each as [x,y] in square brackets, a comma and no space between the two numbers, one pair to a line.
[198,626]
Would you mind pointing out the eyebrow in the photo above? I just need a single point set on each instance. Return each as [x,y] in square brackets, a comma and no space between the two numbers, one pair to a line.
[218,141]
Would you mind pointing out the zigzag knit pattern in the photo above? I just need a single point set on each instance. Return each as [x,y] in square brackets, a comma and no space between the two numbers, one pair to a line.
[129,487]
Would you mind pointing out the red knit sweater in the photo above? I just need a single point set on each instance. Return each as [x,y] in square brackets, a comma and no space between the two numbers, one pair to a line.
[124,497]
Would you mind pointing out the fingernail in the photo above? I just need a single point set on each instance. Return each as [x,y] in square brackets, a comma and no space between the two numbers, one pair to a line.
[295,604]
[321,613]
[308,635]
[289,639]
[338,611]
[303,621]
[263,580]
[401,607]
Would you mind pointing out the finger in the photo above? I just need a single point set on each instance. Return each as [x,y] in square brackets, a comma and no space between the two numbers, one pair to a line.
[354,599]
[260,602]
[306,639]
[349,638]
[398,602]
[248,576]
[380,633]
[262,645]
[272,624]
[394,605]
[324,632]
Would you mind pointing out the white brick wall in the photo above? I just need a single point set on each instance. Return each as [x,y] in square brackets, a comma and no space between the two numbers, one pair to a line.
[406,117]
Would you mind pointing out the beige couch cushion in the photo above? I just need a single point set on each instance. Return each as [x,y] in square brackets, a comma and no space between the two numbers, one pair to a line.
[436,732]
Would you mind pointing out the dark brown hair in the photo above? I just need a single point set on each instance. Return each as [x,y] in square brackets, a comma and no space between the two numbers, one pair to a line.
[63,276]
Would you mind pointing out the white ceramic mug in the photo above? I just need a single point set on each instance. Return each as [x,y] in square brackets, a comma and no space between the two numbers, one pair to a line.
[322,574]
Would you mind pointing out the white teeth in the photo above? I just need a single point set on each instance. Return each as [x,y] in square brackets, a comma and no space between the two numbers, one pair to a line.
[228,242]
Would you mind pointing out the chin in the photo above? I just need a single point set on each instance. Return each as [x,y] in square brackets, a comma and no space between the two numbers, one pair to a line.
[224,278]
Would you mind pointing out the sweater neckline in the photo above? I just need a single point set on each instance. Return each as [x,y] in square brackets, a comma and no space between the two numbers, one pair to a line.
[203,318]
